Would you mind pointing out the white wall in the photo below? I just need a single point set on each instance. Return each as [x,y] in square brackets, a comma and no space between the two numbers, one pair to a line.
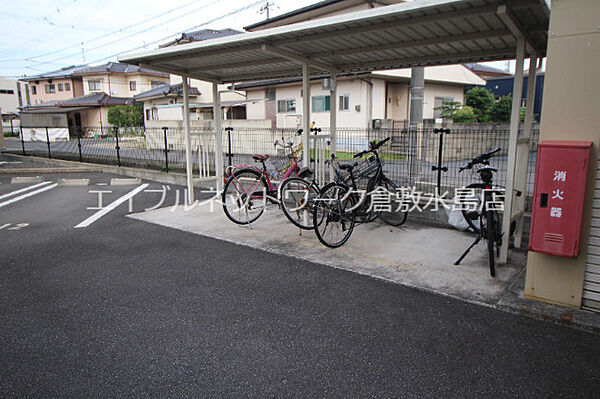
[438,90]
[9,102]
[205,89]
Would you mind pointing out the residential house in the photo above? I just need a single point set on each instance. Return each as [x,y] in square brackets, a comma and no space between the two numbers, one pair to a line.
[164,103]
[503,86]
[364,100]
[487,72]
[13,94]
[57,85]
[92,90]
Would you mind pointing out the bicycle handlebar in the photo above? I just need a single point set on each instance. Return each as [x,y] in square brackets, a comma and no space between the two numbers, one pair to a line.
[481,158]
[373,146]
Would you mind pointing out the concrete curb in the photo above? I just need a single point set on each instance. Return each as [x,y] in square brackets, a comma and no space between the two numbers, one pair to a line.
[178,179]
[24,171]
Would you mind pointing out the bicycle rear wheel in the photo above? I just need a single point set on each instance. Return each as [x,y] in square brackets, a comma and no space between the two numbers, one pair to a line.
[244,196]
[332,219]
[297,198]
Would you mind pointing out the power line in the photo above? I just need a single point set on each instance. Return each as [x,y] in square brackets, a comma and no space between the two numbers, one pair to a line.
[185,30]
[59,31]
[156,41]
[127,36]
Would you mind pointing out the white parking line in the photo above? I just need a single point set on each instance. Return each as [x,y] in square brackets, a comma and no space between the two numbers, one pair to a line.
[110,207]
[19,198]
[24,189]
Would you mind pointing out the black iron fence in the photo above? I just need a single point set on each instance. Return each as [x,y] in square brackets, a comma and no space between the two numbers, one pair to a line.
[427,158]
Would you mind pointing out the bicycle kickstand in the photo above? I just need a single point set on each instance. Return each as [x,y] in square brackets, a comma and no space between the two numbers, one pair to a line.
[468,250]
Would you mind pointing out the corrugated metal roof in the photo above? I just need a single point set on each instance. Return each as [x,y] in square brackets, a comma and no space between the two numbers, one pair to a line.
[204,34]
[425,32]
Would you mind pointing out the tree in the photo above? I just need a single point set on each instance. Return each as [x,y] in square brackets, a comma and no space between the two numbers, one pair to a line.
[448,108]
[126,115]
[482,101]
[501,109]
[465,115]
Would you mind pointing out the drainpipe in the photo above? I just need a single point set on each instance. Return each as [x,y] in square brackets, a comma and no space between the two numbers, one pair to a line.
[369,100]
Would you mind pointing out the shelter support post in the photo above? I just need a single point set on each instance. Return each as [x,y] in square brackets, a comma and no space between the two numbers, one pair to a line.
[306,113]
[515,116]
[523,153]
[189,167]
[218,124]
[333,115]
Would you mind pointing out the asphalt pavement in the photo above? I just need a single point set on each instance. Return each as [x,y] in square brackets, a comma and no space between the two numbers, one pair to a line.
[123,308]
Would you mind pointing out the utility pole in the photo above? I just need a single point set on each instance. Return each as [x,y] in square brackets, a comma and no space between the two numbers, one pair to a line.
[266,8]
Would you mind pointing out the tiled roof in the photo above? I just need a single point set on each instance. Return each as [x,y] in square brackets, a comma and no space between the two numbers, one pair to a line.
[76,70]
[165,90]
[63,72]
[485,68]
[115,67]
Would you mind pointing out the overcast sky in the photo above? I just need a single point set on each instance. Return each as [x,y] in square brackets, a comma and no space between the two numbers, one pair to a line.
[43,35]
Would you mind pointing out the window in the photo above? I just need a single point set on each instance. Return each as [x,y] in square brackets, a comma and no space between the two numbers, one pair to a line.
[287,105]
[344,102]
[67,86]
[147,114]
[132,85]
[156,83]
[51,88]
[33,90]
[320,103]
[60,87]
[95,85]
[270,94]
[6,91]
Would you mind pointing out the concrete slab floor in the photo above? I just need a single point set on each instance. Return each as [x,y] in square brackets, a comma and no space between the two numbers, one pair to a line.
[412,255]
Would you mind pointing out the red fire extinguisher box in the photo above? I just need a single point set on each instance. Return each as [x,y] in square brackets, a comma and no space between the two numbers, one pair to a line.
[559,195]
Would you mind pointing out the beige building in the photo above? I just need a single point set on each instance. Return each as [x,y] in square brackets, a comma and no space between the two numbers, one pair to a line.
[13,94]
[62,84]
[361,99]
[119,80]
[91,92]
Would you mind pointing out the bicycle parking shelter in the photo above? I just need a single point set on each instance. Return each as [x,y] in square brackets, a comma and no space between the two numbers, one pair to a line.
[418,33]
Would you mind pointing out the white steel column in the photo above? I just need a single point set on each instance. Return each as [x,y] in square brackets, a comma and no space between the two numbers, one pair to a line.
[306,113]
[189,166]
[515,117]
[524,149]
[218,118]
[333,113]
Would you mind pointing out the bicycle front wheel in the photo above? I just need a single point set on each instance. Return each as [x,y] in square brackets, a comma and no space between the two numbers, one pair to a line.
[398,213]
[334,215]
[297,198]
[244,196]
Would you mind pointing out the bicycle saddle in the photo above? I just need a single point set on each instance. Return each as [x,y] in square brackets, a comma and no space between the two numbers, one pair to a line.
[304,172]
[348,166]
[259,157]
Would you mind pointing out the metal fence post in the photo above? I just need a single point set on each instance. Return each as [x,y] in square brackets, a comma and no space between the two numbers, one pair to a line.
[229,154]
[48,142]
[116,129]
[165,129]
[79,143]
[439,168]
[22,140]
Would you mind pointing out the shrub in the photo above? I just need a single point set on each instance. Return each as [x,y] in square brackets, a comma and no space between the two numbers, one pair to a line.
[465,115]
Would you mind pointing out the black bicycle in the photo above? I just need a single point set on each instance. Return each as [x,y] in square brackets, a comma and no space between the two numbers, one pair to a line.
[480,202]
[340,205]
